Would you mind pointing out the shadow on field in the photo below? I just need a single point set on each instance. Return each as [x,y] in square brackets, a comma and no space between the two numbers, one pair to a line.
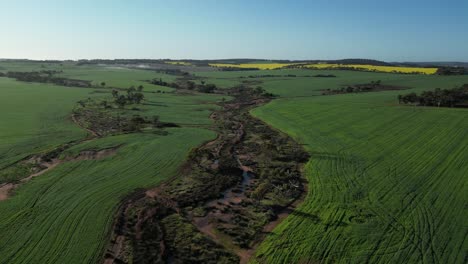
[154,104]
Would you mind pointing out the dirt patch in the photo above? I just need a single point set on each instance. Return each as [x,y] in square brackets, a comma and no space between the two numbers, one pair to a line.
[5,190]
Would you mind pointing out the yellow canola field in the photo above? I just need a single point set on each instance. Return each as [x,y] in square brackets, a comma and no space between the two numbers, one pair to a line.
[375,68]
[178,63]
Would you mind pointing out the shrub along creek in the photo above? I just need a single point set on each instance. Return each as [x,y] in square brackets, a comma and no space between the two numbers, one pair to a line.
[229,192]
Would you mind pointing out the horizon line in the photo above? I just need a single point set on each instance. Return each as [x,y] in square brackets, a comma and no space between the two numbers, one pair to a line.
[260,59]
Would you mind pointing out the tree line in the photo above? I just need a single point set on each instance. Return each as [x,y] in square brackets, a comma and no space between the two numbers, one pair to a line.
[358,88]
[456,97]
[46,77]
[452,71]
[189,85]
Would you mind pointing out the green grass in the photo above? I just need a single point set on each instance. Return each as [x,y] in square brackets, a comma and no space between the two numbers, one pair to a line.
[35,117]
[118,77]
[64,216]
[387,183]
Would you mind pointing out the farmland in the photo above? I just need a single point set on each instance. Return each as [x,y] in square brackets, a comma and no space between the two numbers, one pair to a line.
[376,68]
[59,207]
[329,66]
[383,182]
[386,183]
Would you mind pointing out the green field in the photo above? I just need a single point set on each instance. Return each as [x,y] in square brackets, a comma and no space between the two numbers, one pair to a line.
[65,215]
[387,183]
[302,86]
[35,117]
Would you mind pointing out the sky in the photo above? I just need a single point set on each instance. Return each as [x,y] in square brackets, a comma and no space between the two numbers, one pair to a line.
[396,30]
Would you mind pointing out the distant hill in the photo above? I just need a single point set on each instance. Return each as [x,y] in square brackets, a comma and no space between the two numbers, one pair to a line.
[358,61]
[434,63]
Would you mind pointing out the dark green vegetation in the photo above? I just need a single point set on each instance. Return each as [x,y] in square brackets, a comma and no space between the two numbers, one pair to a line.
[373,86]
[456,97]
[452,71]
[386,181]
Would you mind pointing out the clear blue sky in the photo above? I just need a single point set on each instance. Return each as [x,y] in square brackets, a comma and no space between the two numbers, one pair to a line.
[394,30]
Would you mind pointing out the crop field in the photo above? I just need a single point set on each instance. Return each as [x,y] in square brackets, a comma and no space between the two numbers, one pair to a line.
[396,69]
[360,67]
[118,77]
[35,118]
[387,183]
[75,203]
[305,84]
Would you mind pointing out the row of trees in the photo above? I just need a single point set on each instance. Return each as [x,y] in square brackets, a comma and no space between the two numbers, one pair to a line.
[452,71]
[457,97]
[190,85]
[46,77]
[358,88]
[176,72]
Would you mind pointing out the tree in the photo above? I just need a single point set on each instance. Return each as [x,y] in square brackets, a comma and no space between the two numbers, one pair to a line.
[155,122]
[115,93]
[259,90]
[121,101]
[140,88]
[190,85]
[103,84]
[134,124]
[104,104]
[209,88]
[138,97]
[131,93]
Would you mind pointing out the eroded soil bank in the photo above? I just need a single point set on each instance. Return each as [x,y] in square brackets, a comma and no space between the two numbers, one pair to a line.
[42,163]
[228,194]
